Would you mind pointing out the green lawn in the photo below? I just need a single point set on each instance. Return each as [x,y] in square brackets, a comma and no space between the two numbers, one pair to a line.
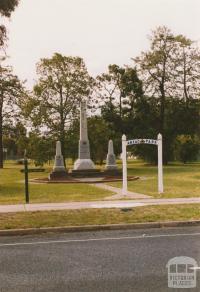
[99,216]
[12,188]
[179,180]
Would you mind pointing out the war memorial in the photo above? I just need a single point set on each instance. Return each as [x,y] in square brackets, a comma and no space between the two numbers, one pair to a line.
[84,167]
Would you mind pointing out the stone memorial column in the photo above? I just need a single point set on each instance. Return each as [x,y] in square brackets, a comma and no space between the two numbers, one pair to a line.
[83,162]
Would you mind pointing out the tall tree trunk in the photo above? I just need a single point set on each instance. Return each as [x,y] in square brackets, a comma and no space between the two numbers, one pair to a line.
[162,110]
[162,92]
[120,105]
[63,149]
[185,78]
[62,140]
[162,126]
[1,140]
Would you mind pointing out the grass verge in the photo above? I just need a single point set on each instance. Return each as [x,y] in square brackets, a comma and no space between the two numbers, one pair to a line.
[99,216]
[12,188]
[180,181]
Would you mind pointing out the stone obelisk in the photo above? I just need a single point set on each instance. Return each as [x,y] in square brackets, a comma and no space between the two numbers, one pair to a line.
[59,170]
[111,168]
[83,162]
[111,160]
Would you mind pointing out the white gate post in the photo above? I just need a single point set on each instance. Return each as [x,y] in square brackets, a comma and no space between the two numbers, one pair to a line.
[160,165]
[124,162]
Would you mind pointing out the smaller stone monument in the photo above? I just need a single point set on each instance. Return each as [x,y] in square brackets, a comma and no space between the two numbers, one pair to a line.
[111,166]
[59,170]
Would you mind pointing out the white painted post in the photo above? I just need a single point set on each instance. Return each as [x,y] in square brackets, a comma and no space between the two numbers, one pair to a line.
[160,165]
[124,162]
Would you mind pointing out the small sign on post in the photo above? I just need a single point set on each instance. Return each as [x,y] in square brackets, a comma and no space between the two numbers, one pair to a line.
[26,178]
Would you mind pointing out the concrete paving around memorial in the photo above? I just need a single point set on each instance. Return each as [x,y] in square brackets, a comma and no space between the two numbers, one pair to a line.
[123,260]
[95,205]
[118,193]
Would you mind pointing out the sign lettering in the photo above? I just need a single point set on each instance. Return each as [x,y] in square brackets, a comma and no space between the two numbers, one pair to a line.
[142,141]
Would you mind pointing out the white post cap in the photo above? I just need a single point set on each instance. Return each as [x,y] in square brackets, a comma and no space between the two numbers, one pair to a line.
[124,137]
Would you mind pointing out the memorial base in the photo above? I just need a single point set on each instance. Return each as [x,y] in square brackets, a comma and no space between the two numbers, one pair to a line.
[112,172]
[58,175]
[84,164]
[86,173]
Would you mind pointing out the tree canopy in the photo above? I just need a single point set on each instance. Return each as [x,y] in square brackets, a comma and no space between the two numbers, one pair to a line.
[6,8]
[158,93]
[63,82]
[11,92]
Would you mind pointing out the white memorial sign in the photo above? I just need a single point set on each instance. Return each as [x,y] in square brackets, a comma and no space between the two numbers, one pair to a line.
[142,141]
[157,143]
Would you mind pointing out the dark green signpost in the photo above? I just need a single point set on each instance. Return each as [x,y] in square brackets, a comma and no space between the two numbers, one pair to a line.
[26,177]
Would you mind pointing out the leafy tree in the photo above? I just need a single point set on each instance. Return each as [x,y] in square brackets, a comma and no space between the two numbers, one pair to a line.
[41,148]
[179,120]
[110,96]
[99,135]
[144,124]
[155,67]
[15,139]
[187,69]
[170,72]
[187,148]
[9,84]
[11,90]
[132,88]
[72,139]
[63,83]
[117,92]
[119,87]
[6,8]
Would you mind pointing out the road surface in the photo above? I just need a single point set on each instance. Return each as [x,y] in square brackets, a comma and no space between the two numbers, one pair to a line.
[131,260]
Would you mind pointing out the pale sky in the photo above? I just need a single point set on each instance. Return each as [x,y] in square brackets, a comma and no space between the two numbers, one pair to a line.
[102,32]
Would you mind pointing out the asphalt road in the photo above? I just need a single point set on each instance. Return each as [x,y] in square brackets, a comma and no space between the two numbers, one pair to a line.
[98,261]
